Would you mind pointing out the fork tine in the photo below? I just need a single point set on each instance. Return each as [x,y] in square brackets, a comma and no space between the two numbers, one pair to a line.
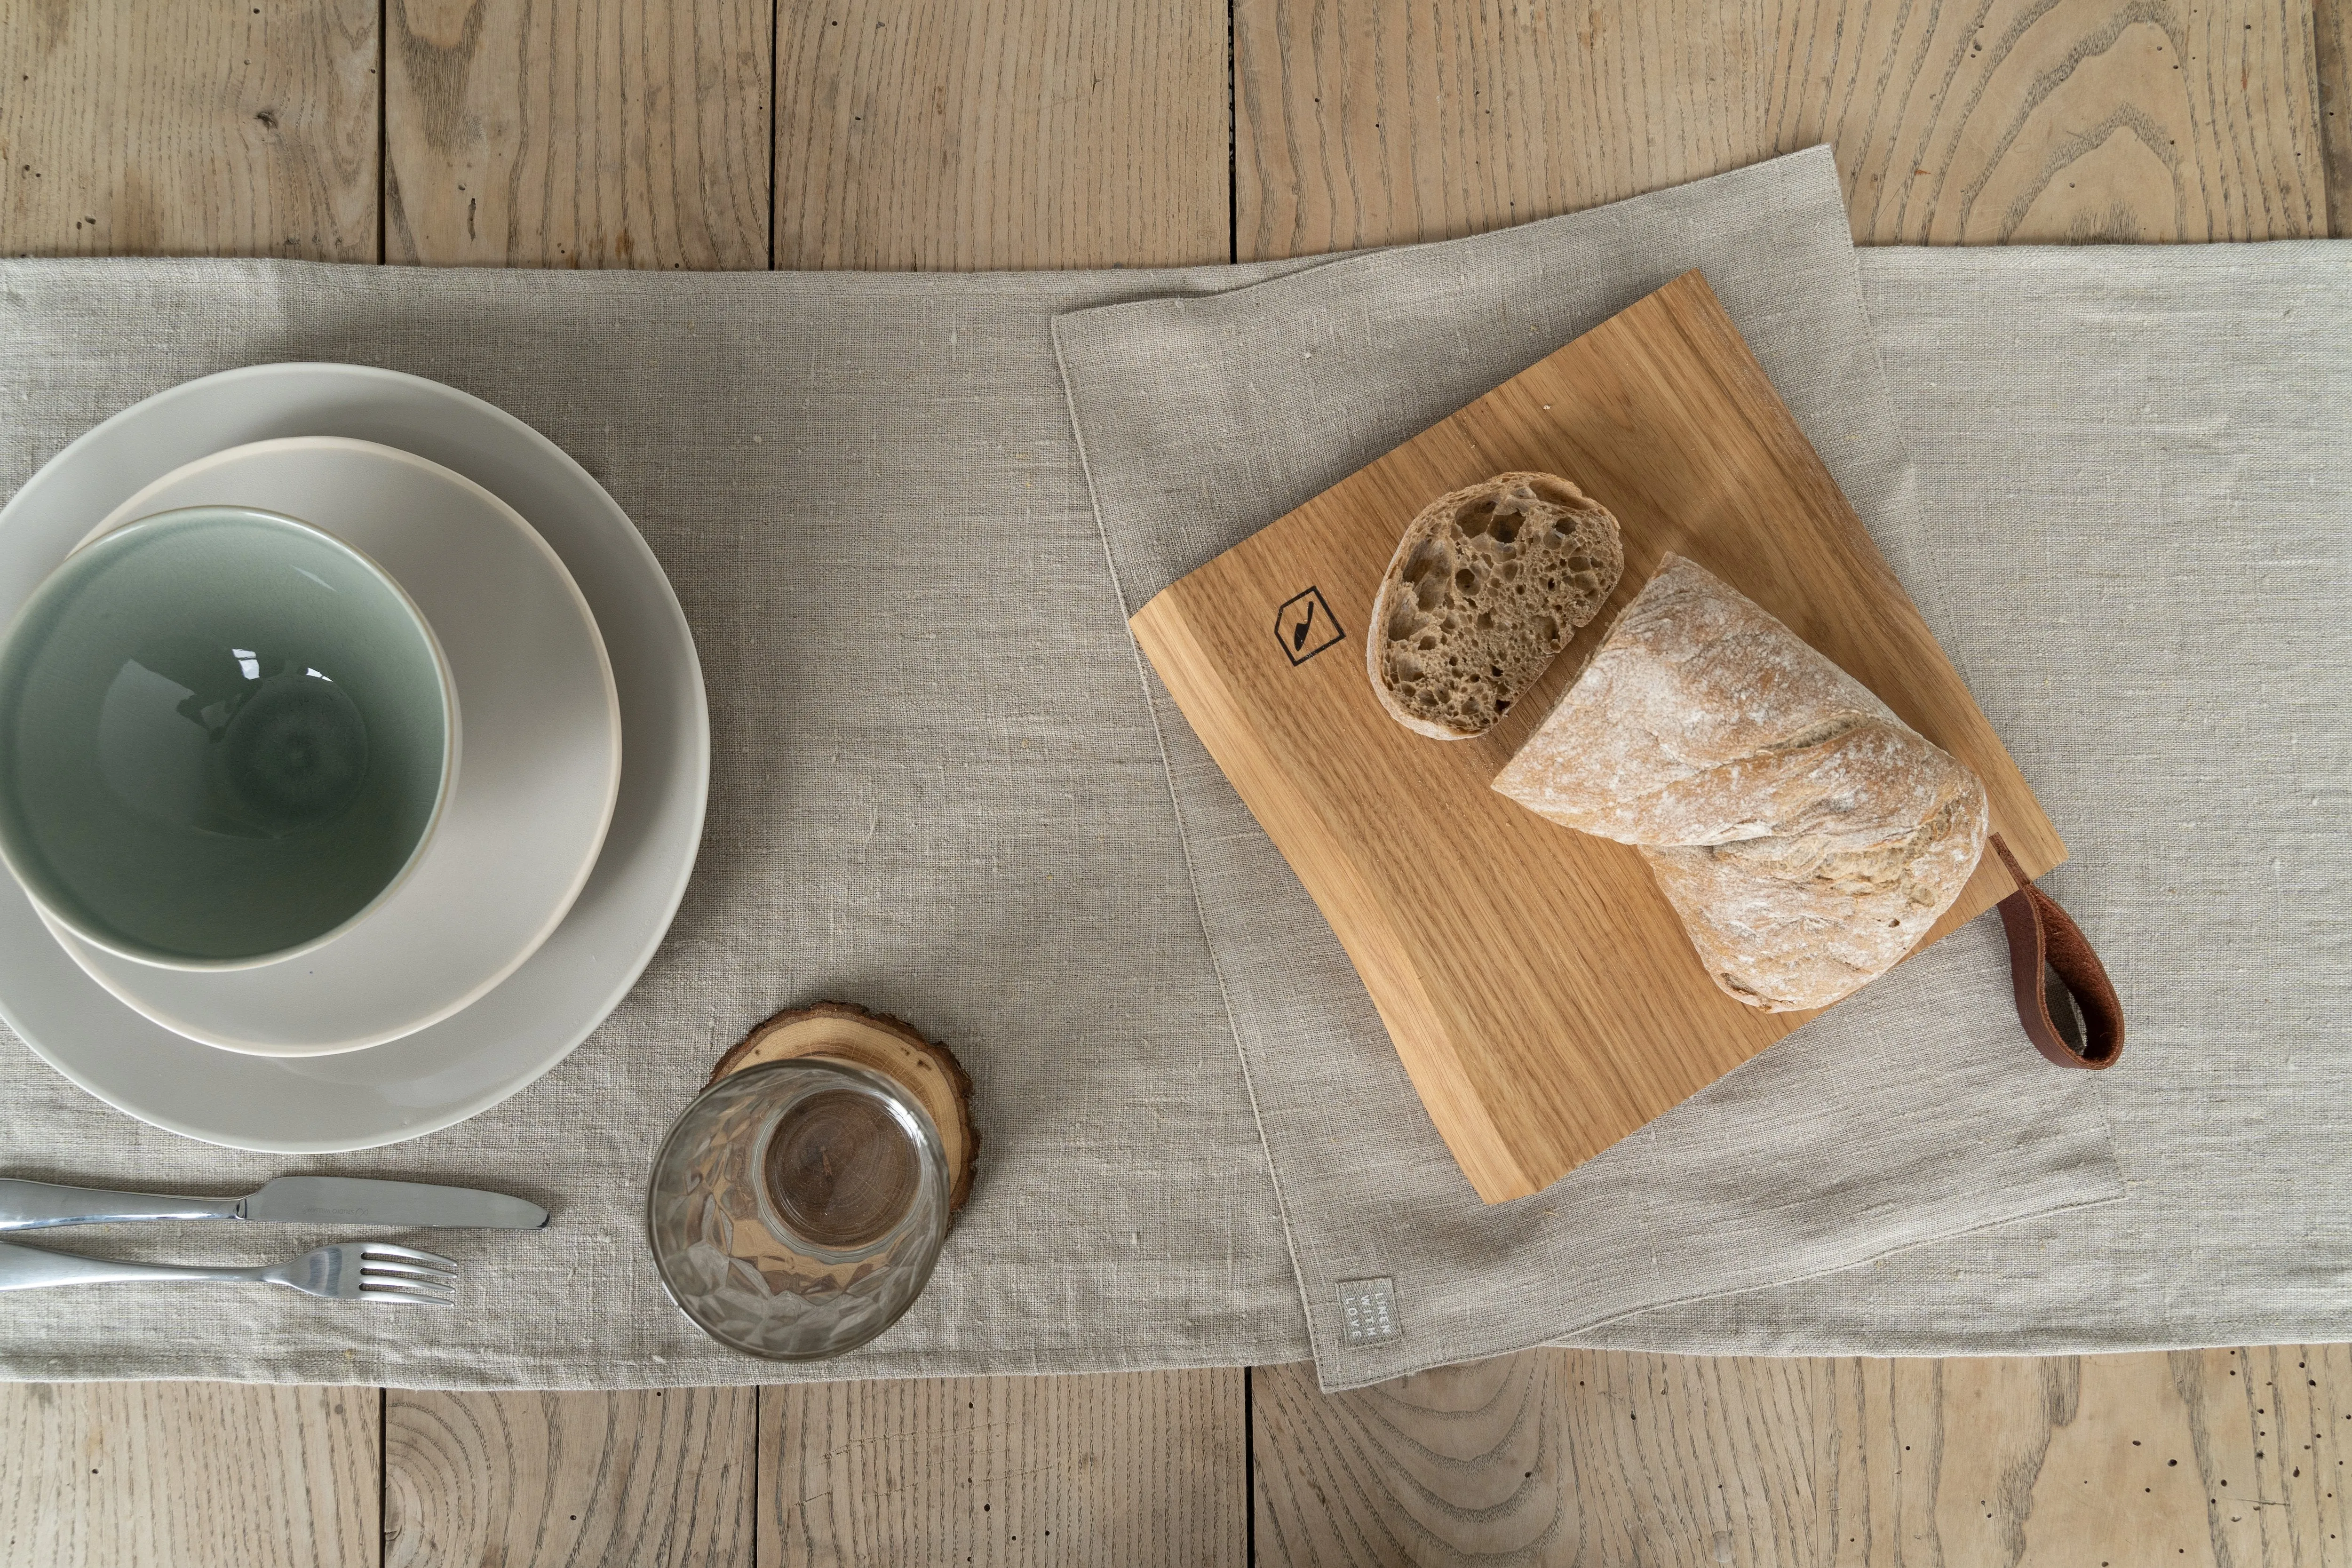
[373,1292]
[374,1249]
[372,1267]
[426,1284]
[407,1280]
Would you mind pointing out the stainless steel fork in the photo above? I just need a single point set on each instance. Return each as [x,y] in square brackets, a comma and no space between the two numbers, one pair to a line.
[353,1271]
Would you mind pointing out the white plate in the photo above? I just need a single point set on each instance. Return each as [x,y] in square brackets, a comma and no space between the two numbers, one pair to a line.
[543,726]
[429,1079]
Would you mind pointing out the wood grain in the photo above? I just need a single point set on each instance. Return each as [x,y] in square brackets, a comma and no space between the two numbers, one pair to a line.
[941,135]
[533,1481]
[1546,1457]
[203,127]
[2331,27]
[597,133]
[195,1474]
[1531,1054]
[1139,1469]
[1559,1457]
[1359,122]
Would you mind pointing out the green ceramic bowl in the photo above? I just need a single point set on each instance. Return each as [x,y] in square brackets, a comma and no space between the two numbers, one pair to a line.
[225,736]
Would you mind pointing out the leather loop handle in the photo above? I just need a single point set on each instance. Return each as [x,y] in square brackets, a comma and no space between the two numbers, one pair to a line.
[2043,940]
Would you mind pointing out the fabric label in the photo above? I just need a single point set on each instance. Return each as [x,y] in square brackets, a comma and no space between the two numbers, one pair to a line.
[1368,1311]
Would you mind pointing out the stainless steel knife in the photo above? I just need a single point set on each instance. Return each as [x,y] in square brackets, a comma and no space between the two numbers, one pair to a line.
[290,1200]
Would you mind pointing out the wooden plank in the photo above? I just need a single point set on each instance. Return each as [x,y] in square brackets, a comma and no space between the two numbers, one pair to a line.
[1138,1468]
[1543,1458]
[2331,26]
[192,1475]
[1557,1457]
[602,133]
[209,128]
[660,1480]
[1360,122]
[963,134]
[1531,1054]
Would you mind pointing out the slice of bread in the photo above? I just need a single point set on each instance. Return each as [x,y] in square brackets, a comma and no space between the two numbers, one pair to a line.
[1485,589]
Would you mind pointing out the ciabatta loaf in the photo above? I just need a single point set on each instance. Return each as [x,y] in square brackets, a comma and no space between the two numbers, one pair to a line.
[1806,836]
[1485,588]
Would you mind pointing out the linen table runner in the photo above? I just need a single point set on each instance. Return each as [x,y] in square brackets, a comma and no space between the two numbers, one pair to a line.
[879,830]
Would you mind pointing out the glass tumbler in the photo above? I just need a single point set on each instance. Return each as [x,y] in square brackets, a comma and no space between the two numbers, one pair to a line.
[797,1209]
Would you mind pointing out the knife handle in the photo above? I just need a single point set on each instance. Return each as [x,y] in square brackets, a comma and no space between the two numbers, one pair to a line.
[38,1206]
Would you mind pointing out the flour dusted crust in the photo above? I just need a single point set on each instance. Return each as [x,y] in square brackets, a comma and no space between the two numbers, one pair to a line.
[1485,589]
[1807,836]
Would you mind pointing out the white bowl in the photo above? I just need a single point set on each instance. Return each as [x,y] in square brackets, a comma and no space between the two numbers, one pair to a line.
[524,826]
[188,787]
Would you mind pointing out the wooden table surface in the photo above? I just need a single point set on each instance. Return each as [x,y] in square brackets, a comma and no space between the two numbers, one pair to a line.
[994,133]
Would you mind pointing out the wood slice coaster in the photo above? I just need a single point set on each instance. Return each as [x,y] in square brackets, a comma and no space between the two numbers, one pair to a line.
[880,1043]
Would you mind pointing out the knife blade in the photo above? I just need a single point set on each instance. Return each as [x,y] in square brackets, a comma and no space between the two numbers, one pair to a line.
[289,1200]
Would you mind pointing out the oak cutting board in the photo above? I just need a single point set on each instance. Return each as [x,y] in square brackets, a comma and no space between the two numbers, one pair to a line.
[1537,984]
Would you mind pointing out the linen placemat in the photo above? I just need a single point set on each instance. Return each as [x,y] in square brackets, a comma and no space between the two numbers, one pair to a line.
[1913,1112]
